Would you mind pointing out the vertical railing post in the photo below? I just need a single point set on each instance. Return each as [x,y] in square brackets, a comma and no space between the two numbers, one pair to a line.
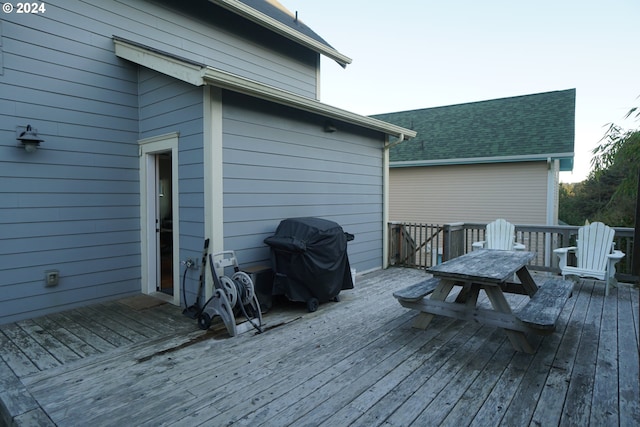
[453,240]
[394,242]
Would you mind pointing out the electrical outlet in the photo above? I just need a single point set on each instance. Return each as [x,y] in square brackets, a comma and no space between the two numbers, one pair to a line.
[51,277]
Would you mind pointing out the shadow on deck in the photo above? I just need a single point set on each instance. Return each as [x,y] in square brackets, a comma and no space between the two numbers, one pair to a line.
[356,362]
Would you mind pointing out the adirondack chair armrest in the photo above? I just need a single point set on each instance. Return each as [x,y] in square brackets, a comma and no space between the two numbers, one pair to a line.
[518,246]
[564,251]
[562,254]
[616,255]
[613,258]
[477,245]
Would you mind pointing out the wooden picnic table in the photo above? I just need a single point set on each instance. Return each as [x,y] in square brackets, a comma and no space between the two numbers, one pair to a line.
[492,271]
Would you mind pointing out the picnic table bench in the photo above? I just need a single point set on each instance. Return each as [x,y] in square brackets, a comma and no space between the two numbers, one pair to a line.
[418,290]
[492,272]
[543,309]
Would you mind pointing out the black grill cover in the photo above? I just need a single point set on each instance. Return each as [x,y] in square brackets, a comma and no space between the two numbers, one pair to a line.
[309,257]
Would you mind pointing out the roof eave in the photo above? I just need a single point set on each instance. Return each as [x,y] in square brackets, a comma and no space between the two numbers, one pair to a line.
[481,160]
[256,89]
[200,74]
[276,26]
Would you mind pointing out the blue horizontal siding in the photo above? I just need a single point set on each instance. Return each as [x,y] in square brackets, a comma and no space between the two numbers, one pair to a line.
[278,163]
[53,301]
[207,34]
[74,204]
[61,228]
[36,200]
[75,254]
[49,243]
[59,185]
[167,105]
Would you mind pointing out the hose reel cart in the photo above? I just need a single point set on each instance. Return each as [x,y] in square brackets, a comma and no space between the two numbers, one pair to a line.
[309,259]
[230,293]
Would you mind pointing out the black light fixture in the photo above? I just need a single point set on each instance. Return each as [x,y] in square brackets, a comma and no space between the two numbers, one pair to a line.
[28,137]
[329,126]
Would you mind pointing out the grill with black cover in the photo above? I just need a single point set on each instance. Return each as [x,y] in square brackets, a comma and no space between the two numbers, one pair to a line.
[310,261]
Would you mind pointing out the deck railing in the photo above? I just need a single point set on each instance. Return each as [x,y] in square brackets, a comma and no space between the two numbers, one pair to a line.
[424,245]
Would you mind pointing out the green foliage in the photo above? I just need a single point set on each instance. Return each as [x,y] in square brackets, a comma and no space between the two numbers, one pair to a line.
[609,194]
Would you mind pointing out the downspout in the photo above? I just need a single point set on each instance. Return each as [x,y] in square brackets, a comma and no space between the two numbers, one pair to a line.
[551,204]
[385,198]
[393,144]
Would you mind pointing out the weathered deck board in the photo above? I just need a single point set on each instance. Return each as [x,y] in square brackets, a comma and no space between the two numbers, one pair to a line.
[295,358]
[473,397]
[37,354]
[604,407]
[15,358]
[357,362]
[628,363]
[63,334]
[61,351]
[424,397]
[551,401]
[440,406]
[577,405]
[527,394]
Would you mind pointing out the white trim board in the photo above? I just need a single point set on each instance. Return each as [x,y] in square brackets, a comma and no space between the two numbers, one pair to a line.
[200,75]
[278,27]
[151,146]
[480,160]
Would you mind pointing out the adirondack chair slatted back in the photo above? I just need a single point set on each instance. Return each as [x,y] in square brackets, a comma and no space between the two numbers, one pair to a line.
[595,242]
[500,235]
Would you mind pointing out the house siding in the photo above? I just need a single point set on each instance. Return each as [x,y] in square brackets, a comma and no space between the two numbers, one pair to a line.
[74,205]
[278,163]
[469,193]
[168,105]
[209,35]
[81,32]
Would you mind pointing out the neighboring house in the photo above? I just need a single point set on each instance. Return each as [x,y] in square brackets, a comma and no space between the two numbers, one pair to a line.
[165,123]
[484,160]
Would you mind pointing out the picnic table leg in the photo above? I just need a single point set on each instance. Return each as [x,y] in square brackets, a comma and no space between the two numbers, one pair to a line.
[422,320]
[499,303]
[527,281]
[469,294]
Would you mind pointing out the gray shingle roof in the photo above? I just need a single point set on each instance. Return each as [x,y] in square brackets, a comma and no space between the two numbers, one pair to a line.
[278,12]
[526,126]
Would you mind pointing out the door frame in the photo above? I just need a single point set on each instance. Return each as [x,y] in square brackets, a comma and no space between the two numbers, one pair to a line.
[149,249]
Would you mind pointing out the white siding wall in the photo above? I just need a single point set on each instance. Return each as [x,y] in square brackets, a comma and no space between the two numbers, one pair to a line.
[470,193]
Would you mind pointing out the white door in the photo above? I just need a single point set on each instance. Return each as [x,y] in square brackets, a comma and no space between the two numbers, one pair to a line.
[159,217]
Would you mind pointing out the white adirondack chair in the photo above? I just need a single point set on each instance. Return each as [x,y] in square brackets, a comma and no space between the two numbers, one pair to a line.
[595,254]
[499,234]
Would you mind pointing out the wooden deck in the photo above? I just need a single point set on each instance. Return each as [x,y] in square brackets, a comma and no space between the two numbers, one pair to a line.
[356,362]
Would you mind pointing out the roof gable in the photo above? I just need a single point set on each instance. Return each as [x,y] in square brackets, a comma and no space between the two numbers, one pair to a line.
[275,17]
[522,127]
[277,11]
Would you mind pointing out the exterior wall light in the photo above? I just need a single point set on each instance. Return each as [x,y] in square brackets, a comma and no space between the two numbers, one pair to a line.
[28,137]
[329,127]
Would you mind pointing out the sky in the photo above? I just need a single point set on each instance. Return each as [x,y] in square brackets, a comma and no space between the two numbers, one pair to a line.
[411,54]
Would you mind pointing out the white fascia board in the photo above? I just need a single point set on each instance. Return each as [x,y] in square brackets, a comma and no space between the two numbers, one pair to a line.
[159,61]
[200,75]
[274,25]
[256,89]
[480,160]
